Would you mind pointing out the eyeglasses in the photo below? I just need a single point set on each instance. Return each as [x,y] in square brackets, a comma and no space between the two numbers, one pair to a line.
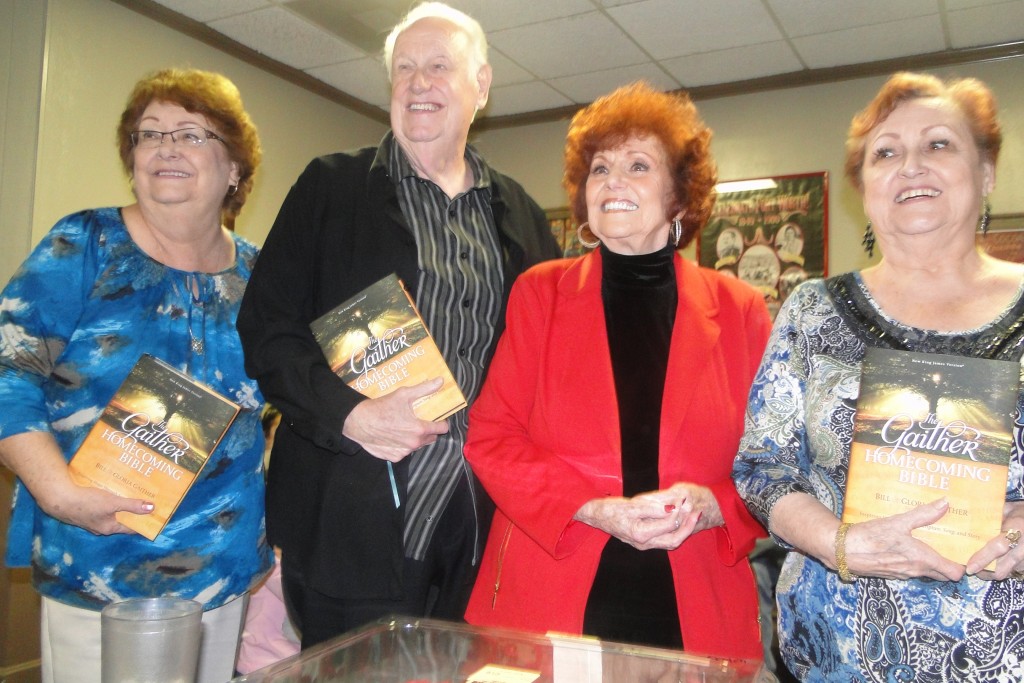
[191,137]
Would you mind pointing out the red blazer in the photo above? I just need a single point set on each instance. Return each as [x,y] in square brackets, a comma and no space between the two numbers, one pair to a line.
[544,439]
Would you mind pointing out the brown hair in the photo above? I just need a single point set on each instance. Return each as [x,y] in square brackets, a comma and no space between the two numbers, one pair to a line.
[638,110]
[969,95]
[198,92]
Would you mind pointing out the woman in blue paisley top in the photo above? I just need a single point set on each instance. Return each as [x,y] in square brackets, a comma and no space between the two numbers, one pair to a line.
[162,276]
[922,155]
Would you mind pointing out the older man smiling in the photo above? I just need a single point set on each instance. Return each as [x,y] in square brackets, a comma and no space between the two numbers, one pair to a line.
[425,205]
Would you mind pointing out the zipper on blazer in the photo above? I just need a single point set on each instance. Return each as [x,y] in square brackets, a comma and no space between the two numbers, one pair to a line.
[502,549]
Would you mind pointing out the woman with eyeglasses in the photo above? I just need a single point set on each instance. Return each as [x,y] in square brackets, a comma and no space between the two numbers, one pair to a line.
[162,276]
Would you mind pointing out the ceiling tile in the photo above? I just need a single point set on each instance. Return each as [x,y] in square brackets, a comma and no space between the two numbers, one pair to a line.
[585,48]
[952,5]
[348,20]
[388,11]
[505,71]
[672,28]
[987,25]
[285,37]
[364,78]
[495,16]
[563,47]
[524,97]
[737,64]
[586,88]
[204,10]
[805,17]
[380,19]
[872,43]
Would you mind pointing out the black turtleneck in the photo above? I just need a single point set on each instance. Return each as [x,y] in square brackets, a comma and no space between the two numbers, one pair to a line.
[633,597]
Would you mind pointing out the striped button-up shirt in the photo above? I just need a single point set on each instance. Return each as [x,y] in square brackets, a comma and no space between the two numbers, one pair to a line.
[459,296]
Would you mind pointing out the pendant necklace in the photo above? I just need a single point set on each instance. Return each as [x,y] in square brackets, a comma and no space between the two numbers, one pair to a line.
[197,342]
[193,287]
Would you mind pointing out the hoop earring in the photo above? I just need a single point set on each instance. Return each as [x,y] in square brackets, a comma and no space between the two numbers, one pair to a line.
[677,231]
[986,217]
[579,236]
[232,189]
[869,240]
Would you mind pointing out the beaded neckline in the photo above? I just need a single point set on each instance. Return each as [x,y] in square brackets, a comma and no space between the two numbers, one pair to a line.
[1003,338]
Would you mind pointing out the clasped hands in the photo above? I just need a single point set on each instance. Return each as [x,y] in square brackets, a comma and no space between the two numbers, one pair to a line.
[885,548]
[656,520]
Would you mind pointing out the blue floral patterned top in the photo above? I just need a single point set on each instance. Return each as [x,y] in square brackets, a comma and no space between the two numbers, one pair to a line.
[74,320]
[799,429]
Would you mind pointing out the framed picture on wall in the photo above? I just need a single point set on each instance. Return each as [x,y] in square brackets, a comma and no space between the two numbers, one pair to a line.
[1005,238]
[770,232]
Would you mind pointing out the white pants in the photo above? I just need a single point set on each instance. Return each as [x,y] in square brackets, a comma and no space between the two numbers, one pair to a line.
[70,642]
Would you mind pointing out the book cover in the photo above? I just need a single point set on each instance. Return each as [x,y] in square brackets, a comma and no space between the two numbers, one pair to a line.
[376,342]
[932,426]
[152,440]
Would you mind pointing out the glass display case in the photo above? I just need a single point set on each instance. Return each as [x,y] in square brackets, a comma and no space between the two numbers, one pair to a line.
[405,650]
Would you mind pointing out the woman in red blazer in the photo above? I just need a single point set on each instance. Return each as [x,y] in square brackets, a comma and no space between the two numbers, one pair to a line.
[608,424]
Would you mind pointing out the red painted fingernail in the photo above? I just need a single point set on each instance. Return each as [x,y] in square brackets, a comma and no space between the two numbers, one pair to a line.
[670,507]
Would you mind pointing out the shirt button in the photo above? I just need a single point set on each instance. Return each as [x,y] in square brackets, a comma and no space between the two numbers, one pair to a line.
[462,352]
[465,303]
[464,255]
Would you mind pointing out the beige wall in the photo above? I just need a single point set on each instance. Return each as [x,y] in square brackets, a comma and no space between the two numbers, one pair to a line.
[22,30]
[797,130]
[96,51]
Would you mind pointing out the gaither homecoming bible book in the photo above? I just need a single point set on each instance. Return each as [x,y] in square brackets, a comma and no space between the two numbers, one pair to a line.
[152,440]
[377,342]
[932,426]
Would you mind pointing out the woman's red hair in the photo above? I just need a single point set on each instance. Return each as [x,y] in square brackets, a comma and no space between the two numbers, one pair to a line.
[638,110]
[969,95]
[200,92]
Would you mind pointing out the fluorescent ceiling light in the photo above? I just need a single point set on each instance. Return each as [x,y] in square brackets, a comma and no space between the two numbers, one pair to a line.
[745,185]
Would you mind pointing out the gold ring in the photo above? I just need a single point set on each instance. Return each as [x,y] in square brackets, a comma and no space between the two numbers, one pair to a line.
[1017,575]
[1012,537]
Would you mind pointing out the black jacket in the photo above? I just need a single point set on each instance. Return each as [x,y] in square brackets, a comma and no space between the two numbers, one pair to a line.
[340,229]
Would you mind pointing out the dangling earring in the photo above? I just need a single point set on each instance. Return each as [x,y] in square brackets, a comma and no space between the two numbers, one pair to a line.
[579,236]
[986,217]
[677,231]
[869,240]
